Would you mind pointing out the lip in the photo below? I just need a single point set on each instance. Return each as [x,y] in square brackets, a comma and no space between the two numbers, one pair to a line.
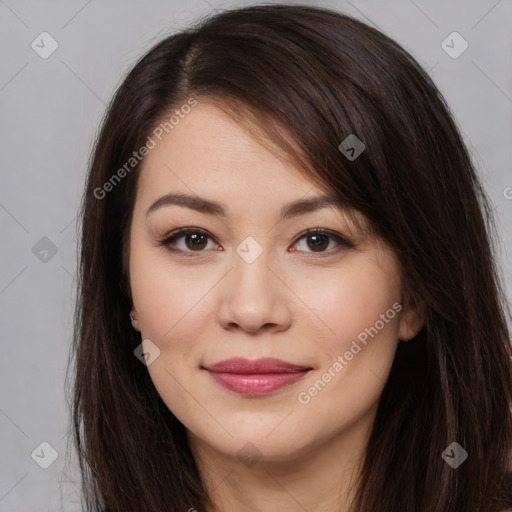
[257,376]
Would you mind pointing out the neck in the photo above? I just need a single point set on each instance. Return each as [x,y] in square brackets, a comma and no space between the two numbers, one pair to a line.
[314,478]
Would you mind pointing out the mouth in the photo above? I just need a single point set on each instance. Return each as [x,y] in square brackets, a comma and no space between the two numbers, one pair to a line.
[255,377]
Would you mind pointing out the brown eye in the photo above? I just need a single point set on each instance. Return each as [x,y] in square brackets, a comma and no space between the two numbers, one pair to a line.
[193,241]
[196,241]
[318,240]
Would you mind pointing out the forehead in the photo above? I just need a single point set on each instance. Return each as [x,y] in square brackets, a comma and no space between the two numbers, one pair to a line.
[208,154]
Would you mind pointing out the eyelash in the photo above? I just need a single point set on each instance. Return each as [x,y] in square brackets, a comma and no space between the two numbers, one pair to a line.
[181,232]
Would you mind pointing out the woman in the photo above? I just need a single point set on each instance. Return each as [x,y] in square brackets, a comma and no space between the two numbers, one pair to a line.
[288,294]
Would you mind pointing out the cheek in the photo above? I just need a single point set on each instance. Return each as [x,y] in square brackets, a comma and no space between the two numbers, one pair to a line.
[346,301]
[172,305]
[357,347]
[170,300]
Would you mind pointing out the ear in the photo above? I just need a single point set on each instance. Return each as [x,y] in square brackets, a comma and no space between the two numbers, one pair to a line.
[412,319]
[134,319]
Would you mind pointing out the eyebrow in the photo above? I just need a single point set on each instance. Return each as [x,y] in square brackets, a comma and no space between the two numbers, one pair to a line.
[209,207]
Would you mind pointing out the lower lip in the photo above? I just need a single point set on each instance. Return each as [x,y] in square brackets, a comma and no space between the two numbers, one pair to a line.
[258,383]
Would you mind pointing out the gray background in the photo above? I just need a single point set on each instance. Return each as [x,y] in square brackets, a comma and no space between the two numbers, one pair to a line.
[50,111]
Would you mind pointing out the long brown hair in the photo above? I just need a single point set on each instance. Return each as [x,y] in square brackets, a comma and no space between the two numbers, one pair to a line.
[318,76]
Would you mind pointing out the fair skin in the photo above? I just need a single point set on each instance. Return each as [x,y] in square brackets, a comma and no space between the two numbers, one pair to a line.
[293,302]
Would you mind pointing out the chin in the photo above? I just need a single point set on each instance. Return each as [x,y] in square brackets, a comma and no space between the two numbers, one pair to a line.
[251,447]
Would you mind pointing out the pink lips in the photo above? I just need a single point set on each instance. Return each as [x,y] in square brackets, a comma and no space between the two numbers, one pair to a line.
[255,377]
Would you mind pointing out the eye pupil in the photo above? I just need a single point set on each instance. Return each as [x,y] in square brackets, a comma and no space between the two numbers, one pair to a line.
[197,239]
[319,241]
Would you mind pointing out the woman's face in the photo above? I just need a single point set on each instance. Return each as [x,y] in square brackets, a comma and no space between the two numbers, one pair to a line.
[244,284]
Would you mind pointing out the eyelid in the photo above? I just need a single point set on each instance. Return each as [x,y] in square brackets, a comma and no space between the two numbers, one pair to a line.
[342,240]
[180,232]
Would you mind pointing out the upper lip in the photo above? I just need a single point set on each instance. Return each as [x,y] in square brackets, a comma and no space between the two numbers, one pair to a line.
[241,365]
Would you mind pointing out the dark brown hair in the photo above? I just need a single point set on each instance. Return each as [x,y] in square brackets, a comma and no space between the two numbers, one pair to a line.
[312,76]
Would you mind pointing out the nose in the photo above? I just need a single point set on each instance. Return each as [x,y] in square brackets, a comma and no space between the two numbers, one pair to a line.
[254,297]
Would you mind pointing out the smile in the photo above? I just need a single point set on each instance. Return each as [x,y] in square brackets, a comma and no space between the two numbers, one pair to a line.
[257,383]
[256,377]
